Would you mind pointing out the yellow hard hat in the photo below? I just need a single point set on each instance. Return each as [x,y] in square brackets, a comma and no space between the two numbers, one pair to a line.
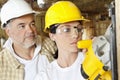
[61,12]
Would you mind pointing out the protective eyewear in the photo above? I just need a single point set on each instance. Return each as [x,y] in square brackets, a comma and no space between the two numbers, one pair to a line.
[67,29]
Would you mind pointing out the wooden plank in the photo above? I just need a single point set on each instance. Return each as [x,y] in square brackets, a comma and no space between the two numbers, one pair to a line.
[117,2]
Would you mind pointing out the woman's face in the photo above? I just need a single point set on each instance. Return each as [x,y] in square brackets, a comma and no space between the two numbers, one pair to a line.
[67,36]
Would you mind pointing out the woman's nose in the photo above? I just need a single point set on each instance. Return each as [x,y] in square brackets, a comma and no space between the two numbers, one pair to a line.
[74,33]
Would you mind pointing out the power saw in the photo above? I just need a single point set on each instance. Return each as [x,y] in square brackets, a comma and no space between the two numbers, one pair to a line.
[97,63]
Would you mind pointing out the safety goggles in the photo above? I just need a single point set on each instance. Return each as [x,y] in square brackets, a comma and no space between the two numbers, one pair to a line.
[68,29]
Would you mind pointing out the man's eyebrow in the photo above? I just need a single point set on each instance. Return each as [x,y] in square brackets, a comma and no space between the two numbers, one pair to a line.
[20,24]
[33,21]
[24,23]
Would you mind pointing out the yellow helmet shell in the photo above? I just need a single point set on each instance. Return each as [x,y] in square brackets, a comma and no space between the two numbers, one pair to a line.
[61,12]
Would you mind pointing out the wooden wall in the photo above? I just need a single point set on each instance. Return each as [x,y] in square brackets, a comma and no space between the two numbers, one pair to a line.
[96,26]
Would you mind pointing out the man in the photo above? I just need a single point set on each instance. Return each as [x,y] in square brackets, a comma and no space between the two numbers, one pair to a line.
[21,59]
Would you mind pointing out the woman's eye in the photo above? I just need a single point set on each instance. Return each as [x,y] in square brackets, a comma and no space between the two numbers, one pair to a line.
[66,30]
[80,29]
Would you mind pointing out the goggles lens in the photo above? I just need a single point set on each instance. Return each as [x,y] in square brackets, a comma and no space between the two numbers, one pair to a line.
[70,29]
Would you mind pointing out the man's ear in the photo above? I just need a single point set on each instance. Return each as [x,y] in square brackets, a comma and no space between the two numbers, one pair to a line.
[51,36]
[7,31]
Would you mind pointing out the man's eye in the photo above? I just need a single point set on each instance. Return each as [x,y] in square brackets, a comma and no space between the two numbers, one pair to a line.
[66,30]
[21,27]
[33,24]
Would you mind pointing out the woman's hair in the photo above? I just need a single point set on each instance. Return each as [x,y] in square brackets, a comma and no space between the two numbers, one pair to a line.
[56,54]
[53,28]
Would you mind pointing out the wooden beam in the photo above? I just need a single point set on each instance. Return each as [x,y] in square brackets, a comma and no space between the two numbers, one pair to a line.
[117,3]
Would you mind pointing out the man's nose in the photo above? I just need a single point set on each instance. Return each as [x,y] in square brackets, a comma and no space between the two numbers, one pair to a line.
[30,29]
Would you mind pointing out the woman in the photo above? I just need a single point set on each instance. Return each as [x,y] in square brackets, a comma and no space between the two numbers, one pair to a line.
[68,63]
[63,22]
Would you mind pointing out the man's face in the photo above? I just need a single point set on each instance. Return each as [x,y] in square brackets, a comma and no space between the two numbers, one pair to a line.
[22,30]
